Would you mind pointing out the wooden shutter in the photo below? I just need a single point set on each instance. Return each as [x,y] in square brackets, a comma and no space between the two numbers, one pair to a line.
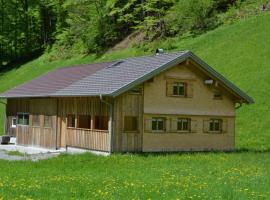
[169,88]
[148,124]
[206,126]
[193,126]
[189,88]
[224,126]
[173,125]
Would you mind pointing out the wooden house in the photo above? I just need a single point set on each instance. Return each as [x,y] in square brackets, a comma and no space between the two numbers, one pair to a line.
[165,102]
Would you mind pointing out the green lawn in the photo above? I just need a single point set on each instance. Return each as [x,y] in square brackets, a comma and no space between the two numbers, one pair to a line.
[175,176]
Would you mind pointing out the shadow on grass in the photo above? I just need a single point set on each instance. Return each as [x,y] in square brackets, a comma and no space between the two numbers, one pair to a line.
[18,62]
[236,151]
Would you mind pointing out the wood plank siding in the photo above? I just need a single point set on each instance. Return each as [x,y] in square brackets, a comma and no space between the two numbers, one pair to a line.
[56,111]
[88,139]
[128,104]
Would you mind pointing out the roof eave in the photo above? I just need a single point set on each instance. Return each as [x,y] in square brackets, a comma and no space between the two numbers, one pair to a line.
[188,54]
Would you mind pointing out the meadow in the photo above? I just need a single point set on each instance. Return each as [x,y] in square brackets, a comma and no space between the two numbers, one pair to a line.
[239,175]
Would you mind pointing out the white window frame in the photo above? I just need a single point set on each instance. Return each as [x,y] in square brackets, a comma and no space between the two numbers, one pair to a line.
[21,113]
[12,122]
[158,119]
[178,85]
[215,122]
[181,119]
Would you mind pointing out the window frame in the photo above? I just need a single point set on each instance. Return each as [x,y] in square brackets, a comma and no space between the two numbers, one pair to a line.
[136,122]
[97,118]
[157,119]
[12,124]
[188,120]
[71,123]
[177,84]
[23,114]
[89,118]
[214,120]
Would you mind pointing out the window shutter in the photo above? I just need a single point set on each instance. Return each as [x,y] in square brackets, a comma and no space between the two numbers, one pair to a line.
[148,124]
[205,126]
[169,89]
[224,126]
[193,126]
[189,88]
[173,125]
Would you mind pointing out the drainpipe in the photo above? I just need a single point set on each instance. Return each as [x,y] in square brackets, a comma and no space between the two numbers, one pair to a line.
[5,118]
[56,131]
[110,122]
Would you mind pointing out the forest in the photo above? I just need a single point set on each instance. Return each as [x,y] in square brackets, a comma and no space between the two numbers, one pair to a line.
[67,27]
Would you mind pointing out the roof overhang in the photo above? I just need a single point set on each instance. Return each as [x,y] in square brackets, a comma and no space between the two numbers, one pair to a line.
[188,55]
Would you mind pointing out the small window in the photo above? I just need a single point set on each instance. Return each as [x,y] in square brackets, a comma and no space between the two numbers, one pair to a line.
[130,123]
[183,124]
[179,89]
[13,122]
[136,90]
[84,121]
[23,119]
[215,125]
[71,121]
[158,124]
[101,122]
[35,120]
[47,121]
[217,95]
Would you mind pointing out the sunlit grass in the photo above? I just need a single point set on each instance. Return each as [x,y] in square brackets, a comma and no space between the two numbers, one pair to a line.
[174,176]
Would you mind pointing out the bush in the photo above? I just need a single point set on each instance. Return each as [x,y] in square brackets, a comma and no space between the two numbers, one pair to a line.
[194,16]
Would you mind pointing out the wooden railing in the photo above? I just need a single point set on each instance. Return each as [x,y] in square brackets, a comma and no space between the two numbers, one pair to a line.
[88,139]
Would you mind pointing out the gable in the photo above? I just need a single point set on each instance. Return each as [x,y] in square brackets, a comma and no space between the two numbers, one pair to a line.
[199,99]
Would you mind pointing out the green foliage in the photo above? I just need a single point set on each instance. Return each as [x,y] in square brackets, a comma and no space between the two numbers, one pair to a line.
[193,16]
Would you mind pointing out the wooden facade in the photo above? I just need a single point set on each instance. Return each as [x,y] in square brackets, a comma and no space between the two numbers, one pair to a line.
[137,108]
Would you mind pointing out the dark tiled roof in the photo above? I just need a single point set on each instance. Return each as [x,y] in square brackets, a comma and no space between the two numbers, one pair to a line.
[51,82]
[112,78]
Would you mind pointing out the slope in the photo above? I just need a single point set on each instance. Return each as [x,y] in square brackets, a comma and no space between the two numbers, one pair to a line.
[239,51]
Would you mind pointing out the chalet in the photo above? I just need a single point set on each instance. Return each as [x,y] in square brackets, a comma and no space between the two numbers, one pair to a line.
[165,102]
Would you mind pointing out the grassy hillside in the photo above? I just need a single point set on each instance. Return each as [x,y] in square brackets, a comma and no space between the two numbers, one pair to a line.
[239,51]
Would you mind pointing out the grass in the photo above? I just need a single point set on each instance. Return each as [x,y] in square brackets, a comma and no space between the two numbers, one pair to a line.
[239,51]
[175,176]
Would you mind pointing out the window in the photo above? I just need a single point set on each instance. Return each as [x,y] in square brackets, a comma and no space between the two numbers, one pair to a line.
[23,119]
[183,124]
[215,125]
[217,95]
[136,90]
[179,89]
[101,122]
[158,124]
[13,122]
[71,121]
[84,121]
[130,123]
[48,121]
[35,120]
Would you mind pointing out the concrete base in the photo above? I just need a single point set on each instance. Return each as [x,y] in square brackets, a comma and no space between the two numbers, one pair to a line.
[72,150]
